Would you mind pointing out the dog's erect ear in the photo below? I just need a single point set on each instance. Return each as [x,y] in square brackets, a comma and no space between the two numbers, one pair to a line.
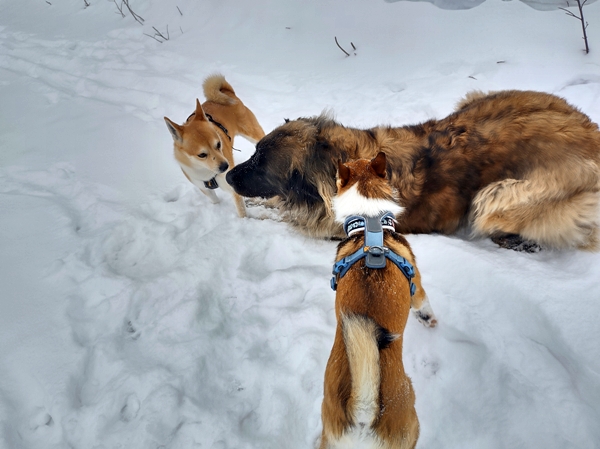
[175,130]
[199,114]
[378,164]
[343,173]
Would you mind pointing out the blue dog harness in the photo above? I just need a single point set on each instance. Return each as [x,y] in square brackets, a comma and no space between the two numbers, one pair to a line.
[373,249]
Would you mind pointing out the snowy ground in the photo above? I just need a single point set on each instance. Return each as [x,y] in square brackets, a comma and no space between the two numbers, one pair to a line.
[135,314]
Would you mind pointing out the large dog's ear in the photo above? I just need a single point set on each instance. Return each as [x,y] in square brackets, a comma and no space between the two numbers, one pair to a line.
[343,174]
[199,113]
[175,129]
[378,164]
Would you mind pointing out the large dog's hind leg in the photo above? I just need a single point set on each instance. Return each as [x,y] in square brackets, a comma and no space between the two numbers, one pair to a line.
[543,213]
[516,243]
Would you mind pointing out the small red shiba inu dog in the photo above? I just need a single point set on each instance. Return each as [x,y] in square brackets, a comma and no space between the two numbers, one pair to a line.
[368,399]
[203,145]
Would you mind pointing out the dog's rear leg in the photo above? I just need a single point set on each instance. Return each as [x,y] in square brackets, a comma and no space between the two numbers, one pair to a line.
[249,127]
[419,303]
[523,214]
[516,243]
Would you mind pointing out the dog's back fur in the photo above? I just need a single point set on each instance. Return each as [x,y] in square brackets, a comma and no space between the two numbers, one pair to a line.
[509,162]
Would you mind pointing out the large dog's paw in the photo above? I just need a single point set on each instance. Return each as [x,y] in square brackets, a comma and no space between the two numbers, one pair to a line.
[425,314]
[516,243]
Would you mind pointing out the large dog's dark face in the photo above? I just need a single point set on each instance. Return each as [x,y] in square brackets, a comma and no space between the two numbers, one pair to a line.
[288,162]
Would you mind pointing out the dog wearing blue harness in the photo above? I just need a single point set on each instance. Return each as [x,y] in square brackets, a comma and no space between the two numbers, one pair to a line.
[368,398]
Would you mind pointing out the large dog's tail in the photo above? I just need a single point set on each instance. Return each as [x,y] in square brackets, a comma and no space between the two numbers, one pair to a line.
[217,89]
[363,339]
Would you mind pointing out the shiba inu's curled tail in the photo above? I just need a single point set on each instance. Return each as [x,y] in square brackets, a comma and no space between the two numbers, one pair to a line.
[363,339]
[218,90]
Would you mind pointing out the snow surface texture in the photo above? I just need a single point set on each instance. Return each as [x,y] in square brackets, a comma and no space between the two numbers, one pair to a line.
[135,314]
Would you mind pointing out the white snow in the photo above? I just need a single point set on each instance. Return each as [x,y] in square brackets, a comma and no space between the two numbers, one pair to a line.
[136,314]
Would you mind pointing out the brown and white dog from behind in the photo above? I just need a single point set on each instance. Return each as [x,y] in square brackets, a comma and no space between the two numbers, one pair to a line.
[369,401]
[203,145]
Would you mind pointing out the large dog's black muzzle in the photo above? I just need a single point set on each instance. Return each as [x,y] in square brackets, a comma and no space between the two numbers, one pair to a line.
[250,182]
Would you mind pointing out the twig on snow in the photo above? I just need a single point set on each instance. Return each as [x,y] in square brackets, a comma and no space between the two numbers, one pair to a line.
[158,36]
[345,52]
[135,16]
[340,47]
[580,17]
[120,8]
[153,37]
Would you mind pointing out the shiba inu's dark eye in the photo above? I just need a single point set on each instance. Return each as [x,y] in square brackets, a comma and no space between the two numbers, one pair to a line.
[218,145]
[202,155]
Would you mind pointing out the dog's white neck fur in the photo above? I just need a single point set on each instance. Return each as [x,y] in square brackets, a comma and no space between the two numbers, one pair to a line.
[353,203]
[198,174]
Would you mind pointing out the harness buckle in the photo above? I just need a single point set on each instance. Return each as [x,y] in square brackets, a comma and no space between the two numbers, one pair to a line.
[376,251]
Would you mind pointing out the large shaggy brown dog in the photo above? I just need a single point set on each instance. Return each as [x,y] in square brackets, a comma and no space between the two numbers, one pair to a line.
[517,166]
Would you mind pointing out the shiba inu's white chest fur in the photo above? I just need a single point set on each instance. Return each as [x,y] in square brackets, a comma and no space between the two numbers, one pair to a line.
[198,175]
[351,202]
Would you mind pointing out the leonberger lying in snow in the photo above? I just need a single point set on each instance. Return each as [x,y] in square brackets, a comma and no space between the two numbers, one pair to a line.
[521,167]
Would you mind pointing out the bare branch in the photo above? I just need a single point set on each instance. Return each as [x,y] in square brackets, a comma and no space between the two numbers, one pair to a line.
[159,34]
[340,47]
[137,17]
[569,13]
[120,8]
[153,37]
[583,25]
[580,17]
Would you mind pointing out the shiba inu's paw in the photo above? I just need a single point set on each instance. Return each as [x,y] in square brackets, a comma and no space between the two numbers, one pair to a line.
[425,314]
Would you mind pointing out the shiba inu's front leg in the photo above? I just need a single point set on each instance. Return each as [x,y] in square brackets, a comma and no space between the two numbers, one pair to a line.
[239,205]
[419,303]
[210,194]
[237,199]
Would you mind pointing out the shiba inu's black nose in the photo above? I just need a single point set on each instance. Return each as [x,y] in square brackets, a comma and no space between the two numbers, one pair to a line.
[223,167]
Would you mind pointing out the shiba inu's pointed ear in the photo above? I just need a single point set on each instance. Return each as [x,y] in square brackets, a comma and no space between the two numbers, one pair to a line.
[378,164]
[343,174]
[175,129]
[199,114]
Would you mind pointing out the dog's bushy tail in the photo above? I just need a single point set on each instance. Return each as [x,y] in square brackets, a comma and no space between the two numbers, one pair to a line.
[217,89]
[363,339]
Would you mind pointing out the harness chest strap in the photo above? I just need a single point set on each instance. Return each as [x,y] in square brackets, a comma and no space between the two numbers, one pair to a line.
[373,250]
